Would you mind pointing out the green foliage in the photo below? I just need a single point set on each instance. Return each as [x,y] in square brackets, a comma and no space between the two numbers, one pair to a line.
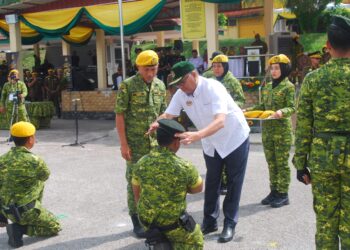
[313,42]
[222,20]
[308,12]
[327,16]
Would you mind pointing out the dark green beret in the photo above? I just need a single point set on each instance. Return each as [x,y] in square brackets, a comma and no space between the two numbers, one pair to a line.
[341,22]
[169,127]
[180,70]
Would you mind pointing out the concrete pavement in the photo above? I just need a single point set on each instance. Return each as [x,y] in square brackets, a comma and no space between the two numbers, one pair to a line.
[87,192]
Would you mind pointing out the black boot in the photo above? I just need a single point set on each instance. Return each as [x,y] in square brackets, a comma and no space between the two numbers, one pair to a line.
[15,232]
[138,230]
[281,199]
[209,228]
[269,198]
[227,233]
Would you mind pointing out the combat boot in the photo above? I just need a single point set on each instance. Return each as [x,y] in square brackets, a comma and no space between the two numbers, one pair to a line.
[15,232]
[269,198]
[281,199]
[138,230]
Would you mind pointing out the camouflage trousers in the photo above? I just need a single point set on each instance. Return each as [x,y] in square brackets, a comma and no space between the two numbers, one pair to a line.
[181,239]
[130,194]
[277,143]
[22,114]
[39,221]
[329,162]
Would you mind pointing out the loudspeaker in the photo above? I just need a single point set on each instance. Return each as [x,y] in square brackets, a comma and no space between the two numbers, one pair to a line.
[178,45]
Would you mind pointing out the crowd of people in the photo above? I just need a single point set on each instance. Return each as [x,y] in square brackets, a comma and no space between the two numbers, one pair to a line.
[158,180]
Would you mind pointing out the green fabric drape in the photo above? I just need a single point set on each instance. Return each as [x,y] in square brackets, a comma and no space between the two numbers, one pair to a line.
[8,2]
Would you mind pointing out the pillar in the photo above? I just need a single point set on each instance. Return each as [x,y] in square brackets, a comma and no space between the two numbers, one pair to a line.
[211,17]
[268,19]
[15,42]
[160,39]
[101,59]
[195,45]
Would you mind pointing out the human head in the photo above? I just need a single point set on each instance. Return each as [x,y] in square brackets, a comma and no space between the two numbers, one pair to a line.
[166,134]
[220,65]
[51,72]
[257,37]
[315,58]
[23,134]
[214,54]
[185,77]
[224,50]
[27,72]
[339,34]
[194,53]
[147,64]
[13,75]
[280,67]
[138,51]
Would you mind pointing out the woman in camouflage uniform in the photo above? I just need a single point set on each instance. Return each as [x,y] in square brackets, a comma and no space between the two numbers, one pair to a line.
[278,96]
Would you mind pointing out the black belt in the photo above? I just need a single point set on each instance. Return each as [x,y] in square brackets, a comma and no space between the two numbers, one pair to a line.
[23,208]
[162,228]
[329,135]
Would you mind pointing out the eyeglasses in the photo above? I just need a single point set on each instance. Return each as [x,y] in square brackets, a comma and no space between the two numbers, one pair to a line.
[183,81]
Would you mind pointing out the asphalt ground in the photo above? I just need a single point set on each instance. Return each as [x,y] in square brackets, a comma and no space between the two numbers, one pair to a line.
[87,192]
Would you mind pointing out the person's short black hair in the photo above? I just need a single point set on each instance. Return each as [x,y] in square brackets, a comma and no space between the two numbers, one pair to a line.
[19,141]
[338,38]
[164,139]
[194,50]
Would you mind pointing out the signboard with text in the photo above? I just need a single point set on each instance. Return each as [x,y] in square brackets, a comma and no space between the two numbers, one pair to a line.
[193,19]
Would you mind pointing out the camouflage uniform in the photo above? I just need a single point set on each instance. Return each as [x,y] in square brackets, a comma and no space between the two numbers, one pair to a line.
[141,105]
[9,89]
[277,134]
[209,73]
[52,89]
[22,177]
[323,145]
[164,179]
[234,88]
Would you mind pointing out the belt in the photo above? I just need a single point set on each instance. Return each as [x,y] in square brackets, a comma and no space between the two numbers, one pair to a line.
[23,208]
[162,228]
[329,135]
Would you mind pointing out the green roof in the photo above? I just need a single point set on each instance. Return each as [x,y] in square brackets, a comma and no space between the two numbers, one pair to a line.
[8,2]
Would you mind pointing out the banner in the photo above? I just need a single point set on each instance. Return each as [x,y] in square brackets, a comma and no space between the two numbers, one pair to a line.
[193,19]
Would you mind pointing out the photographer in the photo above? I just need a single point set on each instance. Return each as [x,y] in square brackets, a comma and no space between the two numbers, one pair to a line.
[14,92]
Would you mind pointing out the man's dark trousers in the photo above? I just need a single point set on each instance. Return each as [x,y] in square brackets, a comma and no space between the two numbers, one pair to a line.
[235,163]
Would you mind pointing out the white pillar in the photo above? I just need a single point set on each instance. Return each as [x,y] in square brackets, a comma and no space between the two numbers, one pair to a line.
[101,59]
[66,51]
[211,17]
[15,42]
[160,39]
[268,19]
[36,48]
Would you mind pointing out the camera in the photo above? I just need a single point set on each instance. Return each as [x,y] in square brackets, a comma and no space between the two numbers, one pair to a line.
[15,97]
[13,77]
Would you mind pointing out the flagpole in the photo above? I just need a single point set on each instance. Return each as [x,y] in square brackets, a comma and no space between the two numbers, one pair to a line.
[120,5]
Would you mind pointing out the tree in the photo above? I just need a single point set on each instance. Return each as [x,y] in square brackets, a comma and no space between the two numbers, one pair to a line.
[222,20]
[308,12]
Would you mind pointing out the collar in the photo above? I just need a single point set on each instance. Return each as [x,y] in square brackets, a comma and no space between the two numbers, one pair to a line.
[198,89]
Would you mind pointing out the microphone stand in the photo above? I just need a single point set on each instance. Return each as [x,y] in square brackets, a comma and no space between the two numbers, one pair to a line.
[76,143]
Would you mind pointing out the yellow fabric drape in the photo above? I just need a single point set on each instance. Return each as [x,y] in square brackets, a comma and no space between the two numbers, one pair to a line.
[79,34]
[108,14]
[52,20]
[287,15]
[25,30]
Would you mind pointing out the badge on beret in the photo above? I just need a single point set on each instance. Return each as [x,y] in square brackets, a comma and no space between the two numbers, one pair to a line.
[189,103]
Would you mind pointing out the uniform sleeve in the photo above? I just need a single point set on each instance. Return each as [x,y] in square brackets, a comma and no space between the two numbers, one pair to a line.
[194,179]
[164,104]
[122,100]
[24,90]
[303,133]
[290,104]
[42,171]
[237,92]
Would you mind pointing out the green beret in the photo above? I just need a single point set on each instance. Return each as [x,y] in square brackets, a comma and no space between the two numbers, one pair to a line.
[168,127]
[316,54]
[180,70]
[341,22]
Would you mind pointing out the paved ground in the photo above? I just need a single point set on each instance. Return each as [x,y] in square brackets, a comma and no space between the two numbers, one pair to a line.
[86,190]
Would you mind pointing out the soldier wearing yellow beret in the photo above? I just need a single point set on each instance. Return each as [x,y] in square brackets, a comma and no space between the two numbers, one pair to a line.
[140,100]
[315,58]
[21,193]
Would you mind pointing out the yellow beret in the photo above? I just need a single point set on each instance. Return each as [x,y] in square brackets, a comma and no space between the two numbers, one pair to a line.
[220,59]
[281,58]
[14,71]
[22,129]
[147,58]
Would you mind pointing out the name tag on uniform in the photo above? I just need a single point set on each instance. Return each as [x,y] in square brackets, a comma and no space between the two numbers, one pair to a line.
[189,103]
[11,96]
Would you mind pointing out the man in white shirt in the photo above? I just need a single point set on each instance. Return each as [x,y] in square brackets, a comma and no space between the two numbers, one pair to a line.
[224,133]
[197,61]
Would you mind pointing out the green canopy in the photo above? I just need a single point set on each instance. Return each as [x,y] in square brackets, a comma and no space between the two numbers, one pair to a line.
[7,2]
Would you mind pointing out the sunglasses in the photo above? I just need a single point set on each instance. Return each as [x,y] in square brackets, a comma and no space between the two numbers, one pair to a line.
[183,81]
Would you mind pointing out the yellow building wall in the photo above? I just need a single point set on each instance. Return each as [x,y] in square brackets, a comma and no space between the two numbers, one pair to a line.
[248,27]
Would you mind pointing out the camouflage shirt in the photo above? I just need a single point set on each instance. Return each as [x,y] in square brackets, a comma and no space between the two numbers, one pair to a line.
[164,179]
[22,176]
[324,105]
[9,90]
[234,88]
[52,83]
[141,105]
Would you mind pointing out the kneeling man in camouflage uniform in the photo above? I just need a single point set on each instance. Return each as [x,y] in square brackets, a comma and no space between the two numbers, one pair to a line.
[22,177]
[160,183]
